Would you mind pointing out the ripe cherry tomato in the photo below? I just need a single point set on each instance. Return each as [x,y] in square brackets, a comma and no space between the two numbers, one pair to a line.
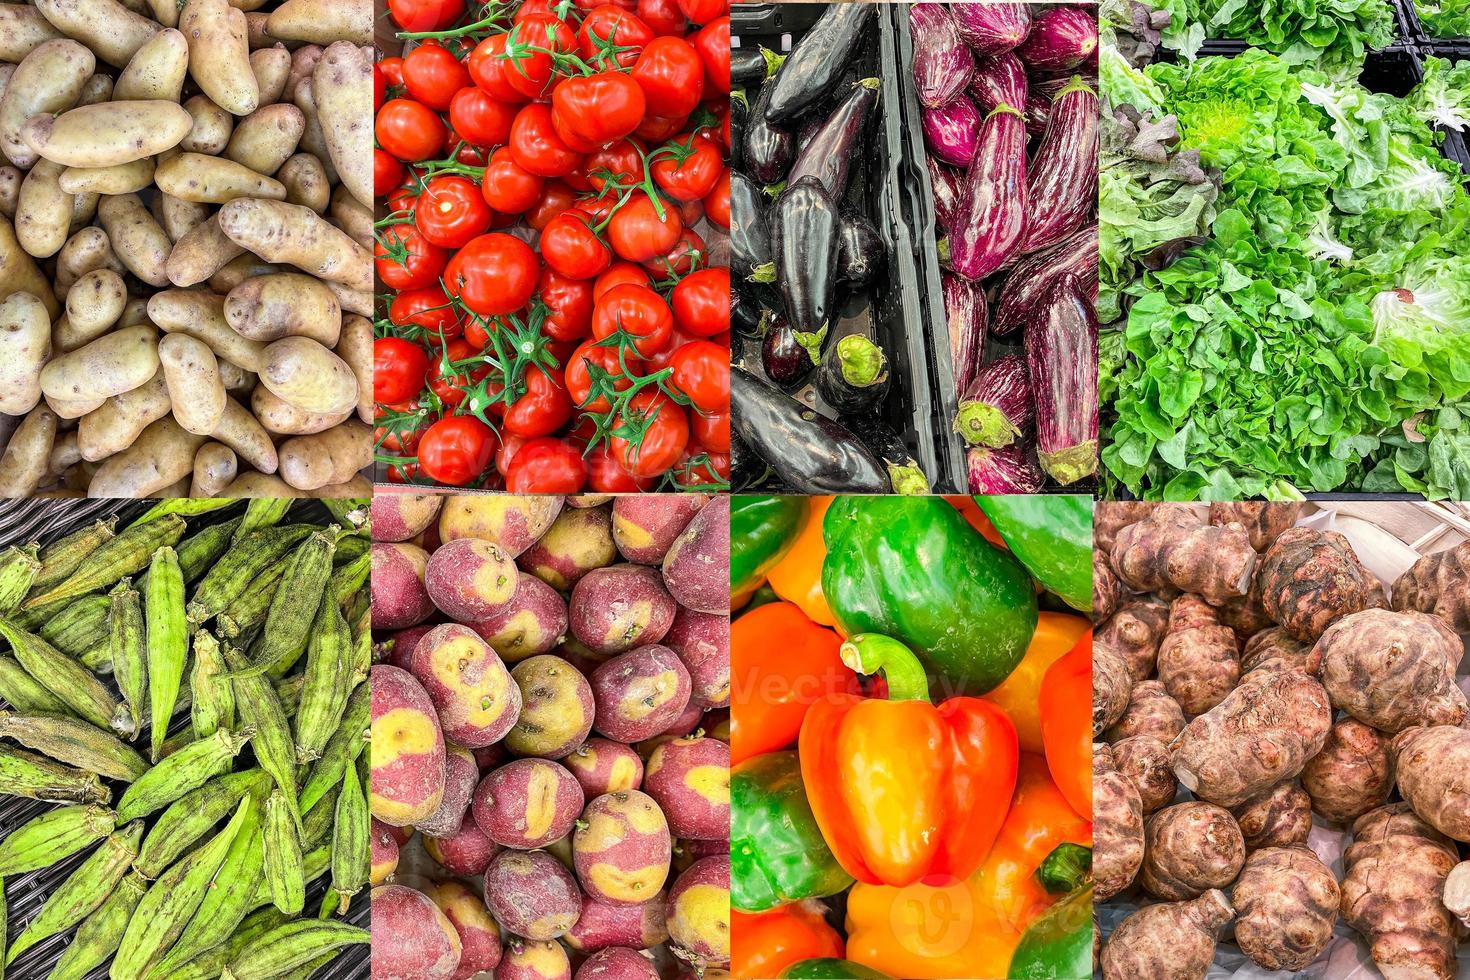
[428,309]
[433,75]
[405,259]
[399,367]
[493,275]
[663,17]
[618,274]
[579,378]
[638,311]
[609,27]
[392,69]
[704,11]
[606,475]
[717,204]
[712,431]
[572,248]
[451,211]
[701,302]
[546,466]
[387,173]
[671,74]
[529,68]
[488,67]
[535,145]
[449,382]
[507,186]
[542,409]
[456,450]
[599,108]
[688,168]
[409,130]
[713,44]
[702,374]
[555,198]
[638,234]
[570,302]
[425,15]
[665,433]
[479,118]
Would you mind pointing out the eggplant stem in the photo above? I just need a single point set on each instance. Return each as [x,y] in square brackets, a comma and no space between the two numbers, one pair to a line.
[1072,463]
[862,361]
[982,424]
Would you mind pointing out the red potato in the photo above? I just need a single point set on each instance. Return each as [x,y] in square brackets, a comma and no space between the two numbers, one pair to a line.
[397,649]
[697,566]
[617,963]
[689,778]
[717,724]
[577,542]
[687,722]
[412,939]
[401,516]
[621,848]
[479,935]
[603,766]
[702,641]
[527,803]
[490,756]
[530,960]
[531,894]
[384,849]
[699,911]
[461,776]
[471,579]
[407,749]
[556,708]
[576,653]
[590,499]
[603,925]
[532,623]
[621,607]
[514,523]
[640,693]
[466,853]
[398,593]
[645,526]
[474,694]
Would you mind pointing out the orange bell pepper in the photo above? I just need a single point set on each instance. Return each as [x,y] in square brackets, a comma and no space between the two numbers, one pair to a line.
[902,789]
[1019,695]
[762,944]
[781,662]
[1066,723]
[798,576]
[969,929]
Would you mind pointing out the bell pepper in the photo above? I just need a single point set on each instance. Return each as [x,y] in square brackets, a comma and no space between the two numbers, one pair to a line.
[976,518]
[777,854]
[1058,945]
[762,944]
[797,577]
[830,969]
[1052,535]
[969,929]
[902,789]
[1019,694]
[762,529]
[780,663]
[1066,723]
[913,569]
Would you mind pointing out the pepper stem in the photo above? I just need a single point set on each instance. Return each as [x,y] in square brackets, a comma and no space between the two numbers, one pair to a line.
[1065,869]
[868,653]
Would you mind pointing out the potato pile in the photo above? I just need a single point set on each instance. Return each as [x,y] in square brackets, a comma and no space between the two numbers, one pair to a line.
[550,713]
[1261,667]
[185,232]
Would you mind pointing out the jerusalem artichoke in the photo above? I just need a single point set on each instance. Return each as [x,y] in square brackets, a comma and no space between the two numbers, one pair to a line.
[1111,516]
[1286,903]
[1168,941]
[1310,578]
[1117,826]
[1198,659]
[1107,591]
[1188,849]
[1145,760]
[1111,685]
[1133,632]
[1280,817]
[1264,522]
[1438,584]
[1173,548]
[1457,893]
[1351,775]
[1277,644]
[1150,711]
[1434,776]
[1393,670]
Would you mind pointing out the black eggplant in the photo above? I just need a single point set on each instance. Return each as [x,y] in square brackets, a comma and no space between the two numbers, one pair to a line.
[853,376]
[739,122]
[750,234]
[769,149]
[746,468]
[817,62]
[805,230]
[809,452]
[828,155]
[861,253]
[750,307]
[752,66]
[904,472]
[787,355]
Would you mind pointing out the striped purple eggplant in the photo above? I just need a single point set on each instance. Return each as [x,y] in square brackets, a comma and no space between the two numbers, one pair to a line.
[1062,181]
[947,184]
[992,28]
[996,408]
[991,221]
[952,131]
[967,313]
[942,62]
[1061,361]
[1026,288]
[999,80]
[1062,39]
[1009,469]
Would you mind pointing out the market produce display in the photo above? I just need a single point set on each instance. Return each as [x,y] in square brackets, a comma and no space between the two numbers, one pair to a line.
[185,232]
[1281,752]
[186,682]
[1443,18]
[906,802]
[551,263]
[550,737]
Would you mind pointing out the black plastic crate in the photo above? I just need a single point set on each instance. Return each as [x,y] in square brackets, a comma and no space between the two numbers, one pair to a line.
[25,521]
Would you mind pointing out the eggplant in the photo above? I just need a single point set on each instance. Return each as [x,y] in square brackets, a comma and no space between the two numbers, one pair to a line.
[1026,287]
[739,123]
[861,253]
[996,409]
[788,356]
[1061,360]
[992,28]
[942,62]
[967,312]
[805,229]
[746,468]
[853,375]
[904,472]
[1062,181]
[1062,39]
[752,66]
[817,62]
[769,149]
[946,183]
[751,306]
[1000,80]
[835,143]
[1006,470]
[1038,114]
[991,219]
[809,452]
[750,233]
[952,132]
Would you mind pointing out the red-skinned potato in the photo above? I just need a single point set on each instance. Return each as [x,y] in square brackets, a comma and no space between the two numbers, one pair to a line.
[412,939]
[621,607]
[532,623]
[622,848]
[601,766]
[399,596]
[467,852]
[514,523]
[531,894]
[526,959]
[702,641]
[634,926]
[476,698]
[556,708]
[645,526]
[640,693]
[527,803]
[461,776]
[617,963]
[697,566]
[716,724]
[471,579]
[577,542]
[398,648]
[407,749]
[689,778]
[479,935]
[699,911]
[384,848]
[402,516]
[687,721]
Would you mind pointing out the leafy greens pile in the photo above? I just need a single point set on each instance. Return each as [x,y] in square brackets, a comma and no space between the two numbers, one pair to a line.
[1328,34]
[1444,18]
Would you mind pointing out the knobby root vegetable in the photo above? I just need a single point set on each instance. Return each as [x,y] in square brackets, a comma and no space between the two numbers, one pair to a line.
[1198,660]
[1280,817]
[1150,711]
[1107,591]
[1434,776]
[1168,941]
[1111,516]
[1352,774]
[1111,685]
[1439,584]
[1189,849]
[1145,760]
[1393,670]
[1264,522]
[1309,578]
[1286,903]
[1173,548]
[1134,632]
[1117,827]
[1275,643]
[1457,893]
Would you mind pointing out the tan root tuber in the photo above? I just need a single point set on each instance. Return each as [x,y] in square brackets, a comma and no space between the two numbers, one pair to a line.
[1264,522]
[1117,826]
[1262,734]
[1198,659]
[1107,591]
[1150,711]
[1277,644]
[1145,760]
[1457,893]
[1393,670]
[1173,548]
[1188,849]
[1434,776]
[1309,578]
[1134,632]
[1280,817]
[1438,584]
[1111,685]
[1352,774]
[1169,941]
[1393,894]
[1111,516]
[1286,903]
[1246,614]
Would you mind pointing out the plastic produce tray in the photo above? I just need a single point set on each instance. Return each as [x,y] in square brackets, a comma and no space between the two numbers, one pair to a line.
[24,521]
[894,311]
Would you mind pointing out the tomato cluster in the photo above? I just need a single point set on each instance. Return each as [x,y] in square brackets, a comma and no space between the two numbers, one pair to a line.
[556,179]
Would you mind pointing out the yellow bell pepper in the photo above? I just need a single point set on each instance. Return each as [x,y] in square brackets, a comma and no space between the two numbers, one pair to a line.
[797,577]
[1019,694]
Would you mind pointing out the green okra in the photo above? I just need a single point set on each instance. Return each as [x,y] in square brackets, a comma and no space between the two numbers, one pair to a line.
[283,868]
[61,557]
[342,748]
[187,769]
[245,561]
[350,842]
[317,821]
[18,569]
[193,815]
[347,579]
[289,689]
[100,933]
[4,927]
[293,608]
[184,507]
[291,946]
[25,693]
[214,696]
[314,864]
[75,743]
[75,686]
[172,901]
[199,551]
[167,641]
[209,964]
[128,643]
[54,836]
[352,513]
[260,708]
[84,890]
[124,555]
[329,659]
[303,972]
[250,608]
[263,512]
[351,548]
[78,628]
[36,777]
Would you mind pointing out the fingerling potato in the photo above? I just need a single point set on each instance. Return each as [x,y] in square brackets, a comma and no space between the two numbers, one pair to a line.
[23,29]
[213,180]
[162,455]
[215,466]
[28,454]
[157,70]
[19,272]
[25,346]
[107,134]
[288,304]
[201,315]
[308,375]
[137,239]
[219,54]
[125,178]
[280,232]
[110,29]
[265,140]
[322,21]
[115,424]
[43,213]
[194,385]
[342,89]
[334,456]
[281,417]
[202,252]
[239,430]
[111,364]
[50,79]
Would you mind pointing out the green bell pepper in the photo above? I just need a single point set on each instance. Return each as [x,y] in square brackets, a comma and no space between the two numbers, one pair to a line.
[1058,945]
[777,854]
[913,569]
[827,968]
[1052,536]
[762,530]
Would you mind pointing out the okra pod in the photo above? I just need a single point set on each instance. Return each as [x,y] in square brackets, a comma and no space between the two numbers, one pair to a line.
[24,693]
[260,708]
[209,964]
[168,641]
[192,816]
[124,555]
[342,748]
[129,657]
[317,820]
[290,946]
[314,863]
[184,507]
[187,769]
[283,869]
[78,688]
[329,659]
[18,570]
[100,934]
[263,512]
[199,551]
[84,890]
[214,696]
[350,512]
[78,628]
[351,548]
[350,842]
[249,610]
[74,743]
[36,777]
[293,607]
[348,578]
[240,565]
[54,836]
[61,557]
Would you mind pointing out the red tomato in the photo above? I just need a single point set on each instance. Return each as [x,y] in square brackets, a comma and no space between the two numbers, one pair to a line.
[529,68]
[572,248]
[702,374]
[556,198]
[456,450]
[704,11]
[658,129]
[481,119]
[428,309]
[606,475]
[599,108]
[661,359]
[713,43]
[570,302]
[451,211]
[409,130]
[405,259]
[380,87]
[542,409]
[618,274]
[493,275]
[392,69]
[449,382]
[425,15]
[605,360]
[509,446]
[611,36]
[433,75]
[488,67]
[546,466]
[387,173]
[638,234]
[712,431]
[701,302]
[688,253]
[663,17]
[536,146]
[671,74]
[621,159]
[508,187]
[665,433]
[399,367]
[403,472]
[571,137]
[637,310]
[688,169]
[717,204]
